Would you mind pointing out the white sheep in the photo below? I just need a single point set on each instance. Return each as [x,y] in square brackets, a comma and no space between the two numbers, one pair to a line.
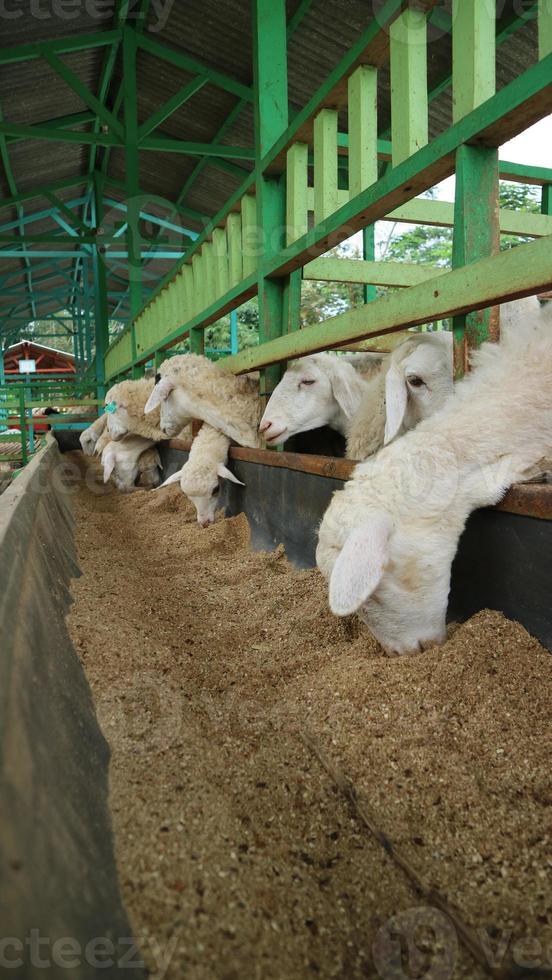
[199,477]
[191,386]
[325,389]
[125,404]
[89,437]
[413,384]
[388,539]
[126,459]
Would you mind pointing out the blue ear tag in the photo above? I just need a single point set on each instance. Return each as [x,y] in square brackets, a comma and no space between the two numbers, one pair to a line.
[111,408]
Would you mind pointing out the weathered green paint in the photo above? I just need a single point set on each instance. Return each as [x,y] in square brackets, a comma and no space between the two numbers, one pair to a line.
[132,169]
[297,192]
[220,259]
[546,200]
[197,341]
[183,61]
[369,272]
[251,245]
[545,28]
[269,72]
[101,309]
[177,100]
[441,214]
[88,97]
[524,100]
[369,255]
[409,107]
[476,235]
[66,45]
[325,164]
[499,278]
[473,54]
[234,232]
[363,129]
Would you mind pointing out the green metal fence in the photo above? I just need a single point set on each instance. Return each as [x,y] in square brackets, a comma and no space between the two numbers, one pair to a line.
[22,433]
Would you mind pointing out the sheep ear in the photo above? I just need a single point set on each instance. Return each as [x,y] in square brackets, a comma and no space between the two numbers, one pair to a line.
[227,474]
[360,565]
[175,478]
[343,392]
[161,391]
[108,467]
[396,399]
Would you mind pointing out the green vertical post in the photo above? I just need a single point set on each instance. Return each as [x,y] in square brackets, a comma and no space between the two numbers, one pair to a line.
[546,199]
[545,28]
[363,129]
[473,54]
[369,255]
[271,120]
[101,313]
[409,103]
[476,235]
[23,425]
[3,412]
[197,341]
[158,358]
[132,178]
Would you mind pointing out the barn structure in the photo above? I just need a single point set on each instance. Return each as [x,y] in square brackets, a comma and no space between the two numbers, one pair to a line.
[47,361]
[161,164]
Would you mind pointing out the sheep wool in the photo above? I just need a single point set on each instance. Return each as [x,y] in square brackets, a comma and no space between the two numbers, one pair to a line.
[204,390]
[387,540]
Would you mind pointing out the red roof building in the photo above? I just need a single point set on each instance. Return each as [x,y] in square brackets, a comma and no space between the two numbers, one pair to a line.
[47,360]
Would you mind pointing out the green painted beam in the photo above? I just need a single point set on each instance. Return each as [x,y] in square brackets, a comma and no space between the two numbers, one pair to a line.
[476,235]
[473,55]
[270,73]
[370,273]
[189,64]
[58,185]
[58,135]
[363,129]
[511,274]
[88,97]
[509,112]
[163,144]
[409,109]
[66,45]
[62,122]
[292,26]
[184,94]
[441,214]
[545,28]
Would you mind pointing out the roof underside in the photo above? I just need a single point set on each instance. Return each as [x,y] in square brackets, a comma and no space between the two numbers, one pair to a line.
[218,34]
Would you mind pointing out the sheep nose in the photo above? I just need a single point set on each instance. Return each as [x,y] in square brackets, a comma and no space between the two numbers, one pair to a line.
[265,426]
[205,522]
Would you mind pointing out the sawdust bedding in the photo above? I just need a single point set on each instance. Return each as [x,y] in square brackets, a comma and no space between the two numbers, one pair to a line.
[239,857]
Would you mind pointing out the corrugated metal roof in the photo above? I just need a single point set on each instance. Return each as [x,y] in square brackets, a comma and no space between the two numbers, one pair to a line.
[217,33]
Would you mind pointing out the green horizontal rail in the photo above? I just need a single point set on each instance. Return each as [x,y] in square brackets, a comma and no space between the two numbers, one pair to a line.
[509,275]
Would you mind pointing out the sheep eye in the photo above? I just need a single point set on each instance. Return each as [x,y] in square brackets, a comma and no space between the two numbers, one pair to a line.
[416,382]
[308,381]
[215,491]
[157,378]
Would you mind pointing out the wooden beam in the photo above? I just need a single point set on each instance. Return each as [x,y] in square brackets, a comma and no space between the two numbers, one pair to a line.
[511,274]
[473,54]
[372,273]
[409,106]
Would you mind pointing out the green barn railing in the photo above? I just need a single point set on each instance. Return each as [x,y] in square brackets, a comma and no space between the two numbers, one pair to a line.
[274,229]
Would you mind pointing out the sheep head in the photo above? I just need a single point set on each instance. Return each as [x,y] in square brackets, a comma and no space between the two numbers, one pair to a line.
[318,390]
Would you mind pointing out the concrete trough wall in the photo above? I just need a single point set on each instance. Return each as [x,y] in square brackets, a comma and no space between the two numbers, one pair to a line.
[60,909]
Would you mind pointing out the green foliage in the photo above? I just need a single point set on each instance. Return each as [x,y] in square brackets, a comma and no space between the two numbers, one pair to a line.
[217,336]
